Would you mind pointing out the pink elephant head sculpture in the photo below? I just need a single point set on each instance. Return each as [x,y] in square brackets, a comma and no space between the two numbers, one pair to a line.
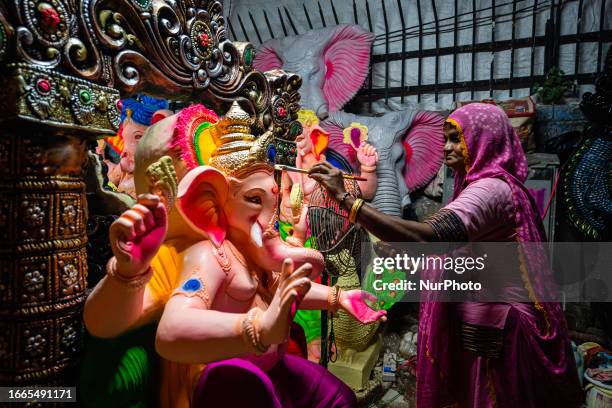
[410,149]
[242,210]
[333,63]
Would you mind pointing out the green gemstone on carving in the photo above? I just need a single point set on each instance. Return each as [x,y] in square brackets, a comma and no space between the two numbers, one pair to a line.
[143,3]
[295,129]
[85,97]
[248,56]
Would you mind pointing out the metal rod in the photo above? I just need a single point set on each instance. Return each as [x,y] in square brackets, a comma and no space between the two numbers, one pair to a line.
[437,68]
[231,27]
[321,14]
[290,21]
[401,13]
[512,46]
[473,73]
[255,27]
[429,28]
[455,34]
[548,49]
[533,43]
[384,9]
[371,53]
[557,34]
[307,16]
[578,29]
[268,24]
[501,45]
[601,27]
[492,50]
[334,12]
[420,55]
[324,334]
[480,85]
[246,36]
[397,33]
[355,17]
[280,17]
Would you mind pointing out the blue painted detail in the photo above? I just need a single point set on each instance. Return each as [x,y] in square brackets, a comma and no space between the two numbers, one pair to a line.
[192,285]
[276,225]
[271,150]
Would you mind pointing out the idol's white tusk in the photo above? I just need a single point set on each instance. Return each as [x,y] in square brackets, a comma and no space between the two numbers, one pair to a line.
[256,234]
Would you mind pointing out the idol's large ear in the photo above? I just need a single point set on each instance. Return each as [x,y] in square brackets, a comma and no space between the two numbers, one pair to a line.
[423,144]
[266,59]
[319,139]
[347,61]
[202,194]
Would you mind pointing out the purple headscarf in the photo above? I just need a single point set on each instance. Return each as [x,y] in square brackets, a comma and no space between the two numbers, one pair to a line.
[493,150]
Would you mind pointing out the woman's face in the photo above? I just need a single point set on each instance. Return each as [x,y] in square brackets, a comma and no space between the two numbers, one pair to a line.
[453,154]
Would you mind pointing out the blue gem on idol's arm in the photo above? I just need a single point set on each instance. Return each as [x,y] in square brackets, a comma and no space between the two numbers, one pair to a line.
[192,285]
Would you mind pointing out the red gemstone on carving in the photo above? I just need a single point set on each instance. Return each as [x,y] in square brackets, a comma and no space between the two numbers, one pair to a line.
[43,86]
[50,17]
[282,112]
[119,105]
[204,40]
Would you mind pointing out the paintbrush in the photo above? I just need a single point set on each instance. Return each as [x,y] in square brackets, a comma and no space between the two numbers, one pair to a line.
[281,167]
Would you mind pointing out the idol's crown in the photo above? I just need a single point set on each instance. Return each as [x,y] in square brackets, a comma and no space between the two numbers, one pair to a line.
[237,149]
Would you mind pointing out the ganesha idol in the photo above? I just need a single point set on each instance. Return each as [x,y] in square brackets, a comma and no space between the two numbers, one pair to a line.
[137,114]
[297,188]
[200,255]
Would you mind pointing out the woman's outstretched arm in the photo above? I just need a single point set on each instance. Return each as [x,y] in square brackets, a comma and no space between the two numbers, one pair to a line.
[386,227]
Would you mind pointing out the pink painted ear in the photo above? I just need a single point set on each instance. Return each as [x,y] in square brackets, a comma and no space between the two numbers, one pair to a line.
[161,114]
[423,145]
[347,61]
[266,59]
[202,193]
[336,142]
[320,140]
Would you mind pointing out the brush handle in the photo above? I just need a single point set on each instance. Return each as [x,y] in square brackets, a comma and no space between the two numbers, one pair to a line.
[350,177]
[304,171]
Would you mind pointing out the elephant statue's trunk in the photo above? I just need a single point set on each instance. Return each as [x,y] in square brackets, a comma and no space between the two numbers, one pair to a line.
[387,198]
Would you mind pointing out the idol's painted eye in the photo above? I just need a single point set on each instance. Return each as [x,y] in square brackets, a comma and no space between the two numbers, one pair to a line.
[253,199]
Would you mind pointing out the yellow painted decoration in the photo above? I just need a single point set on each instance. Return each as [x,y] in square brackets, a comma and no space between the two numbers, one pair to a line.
[307,118]
[355,134]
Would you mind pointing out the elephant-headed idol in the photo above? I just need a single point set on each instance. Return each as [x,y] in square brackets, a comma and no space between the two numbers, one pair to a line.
[200,253]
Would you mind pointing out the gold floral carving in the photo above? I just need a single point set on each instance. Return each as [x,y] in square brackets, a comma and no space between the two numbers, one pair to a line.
[162,179]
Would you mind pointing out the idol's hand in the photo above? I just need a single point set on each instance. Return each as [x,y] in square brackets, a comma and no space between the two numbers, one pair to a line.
[367,155]
[300,229]
[354,303]
[330,178]
[275,321]
[137,235]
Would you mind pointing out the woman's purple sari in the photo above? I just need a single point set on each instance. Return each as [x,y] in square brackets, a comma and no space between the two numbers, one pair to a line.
[536,368]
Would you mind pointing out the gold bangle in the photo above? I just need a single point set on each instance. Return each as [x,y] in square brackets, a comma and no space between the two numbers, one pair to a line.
[355,209]
[368,169]
[333,298]
[250,331]
[133,284]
